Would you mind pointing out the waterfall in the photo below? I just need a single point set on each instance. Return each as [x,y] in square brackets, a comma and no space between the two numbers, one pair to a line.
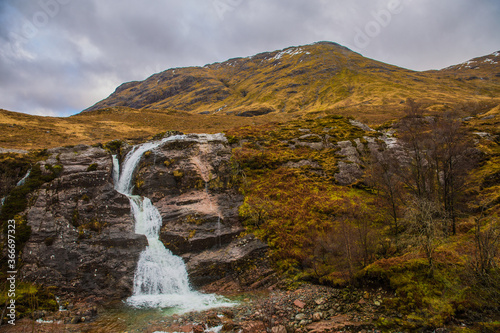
[116,170]
[23,180]
[19,183]
[161,279]
[219,232]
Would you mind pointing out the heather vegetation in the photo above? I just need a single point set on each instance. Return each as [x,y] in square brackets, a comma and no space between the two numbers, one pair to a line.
[417,224]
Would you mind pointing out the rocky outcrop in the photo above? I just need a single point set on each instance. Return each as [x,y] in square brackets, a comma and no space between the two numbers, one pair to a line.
[82,235]
[231,261]
[83,239]
[349,166]
[191,184]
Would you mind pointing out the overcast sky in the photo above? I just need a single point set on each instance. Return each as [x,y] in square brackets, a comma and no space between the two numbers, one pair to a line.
[58,57]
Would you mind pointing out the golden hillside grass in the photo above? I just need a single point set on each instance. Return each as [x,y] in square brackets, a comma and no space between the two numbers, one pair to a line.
[310,78]
[22,131]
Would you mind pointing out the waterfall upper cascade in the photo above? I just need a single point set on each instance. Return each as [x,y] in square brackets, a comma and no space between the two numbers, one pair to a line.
[160,279]
[19,183]
[23,180]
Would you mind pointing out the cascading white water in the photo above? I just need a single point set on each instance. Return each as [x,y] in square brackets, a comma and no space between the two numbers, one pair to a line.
[116,170]
[161,278]
[19,183]
[23,180]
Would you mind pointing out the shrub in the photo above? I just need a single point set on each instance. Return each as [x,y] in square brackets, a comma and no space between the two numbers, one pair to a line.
[92,167]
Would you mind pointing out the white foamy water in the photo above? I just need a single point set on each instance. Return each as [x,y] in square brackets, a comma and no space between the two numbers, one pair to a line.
[161,279]
[23,180]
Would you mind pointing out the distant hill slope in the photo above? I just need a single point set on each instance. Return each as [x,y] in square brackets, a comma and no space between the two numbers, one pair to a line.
[482,68]
[317,77]
[24,131]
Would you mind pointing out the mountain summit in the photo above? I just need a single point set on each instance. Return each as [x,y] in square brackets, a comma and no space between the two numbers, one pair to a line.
[315,77]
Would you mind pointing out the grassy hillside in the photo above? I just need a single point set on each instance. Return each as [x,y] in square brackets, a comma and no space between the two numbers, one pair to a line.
[320,79]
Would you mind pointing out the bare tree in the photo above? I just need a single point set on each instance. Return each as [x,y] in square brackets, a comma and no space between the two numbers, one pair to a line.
[439,158]
[452,158]
[487,245]
[425,226]
[416,171]
[383,175]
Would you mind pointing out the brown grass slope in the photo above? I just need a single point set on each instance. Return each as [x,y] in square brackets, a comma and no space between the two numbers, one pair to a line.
[23,131]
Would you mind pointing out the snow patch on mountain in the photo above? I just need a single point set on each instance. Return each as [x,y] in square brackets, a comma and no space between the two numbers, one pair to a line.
[291,52]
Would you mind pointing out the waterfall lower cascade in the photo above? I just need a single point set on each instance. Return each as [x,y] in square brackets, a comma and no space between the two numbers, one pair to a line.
[161,279]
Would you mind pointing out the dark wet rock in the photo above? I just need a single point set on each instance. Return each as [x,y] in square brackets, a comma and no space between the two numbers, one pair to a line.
[230,262]
[193,189]
[82,236]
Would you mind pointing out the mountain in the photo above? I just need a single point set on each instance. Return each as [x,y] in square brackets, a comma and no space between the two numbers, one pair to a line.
[322,78]
[317,77]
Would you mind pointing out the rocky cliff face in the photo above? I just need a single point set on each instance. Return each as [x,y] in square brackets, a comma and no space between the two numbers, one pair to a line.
[191,184]
[83,238]
[82,235]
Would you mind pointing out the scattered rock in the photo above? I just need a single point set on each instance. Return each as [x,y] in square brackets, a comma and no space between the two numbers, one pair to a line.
[304,322]
[320,301]
[359,124]
[488,117]
[279,329]
[348,173]
[299,303]
[198,329]
[17,151]
[300,316]
[253,327]
[482,134]
[317,316]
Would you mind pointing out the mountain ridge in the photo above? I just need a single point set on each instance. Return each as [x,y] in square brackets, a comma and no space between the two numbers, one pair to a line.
[313,77]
